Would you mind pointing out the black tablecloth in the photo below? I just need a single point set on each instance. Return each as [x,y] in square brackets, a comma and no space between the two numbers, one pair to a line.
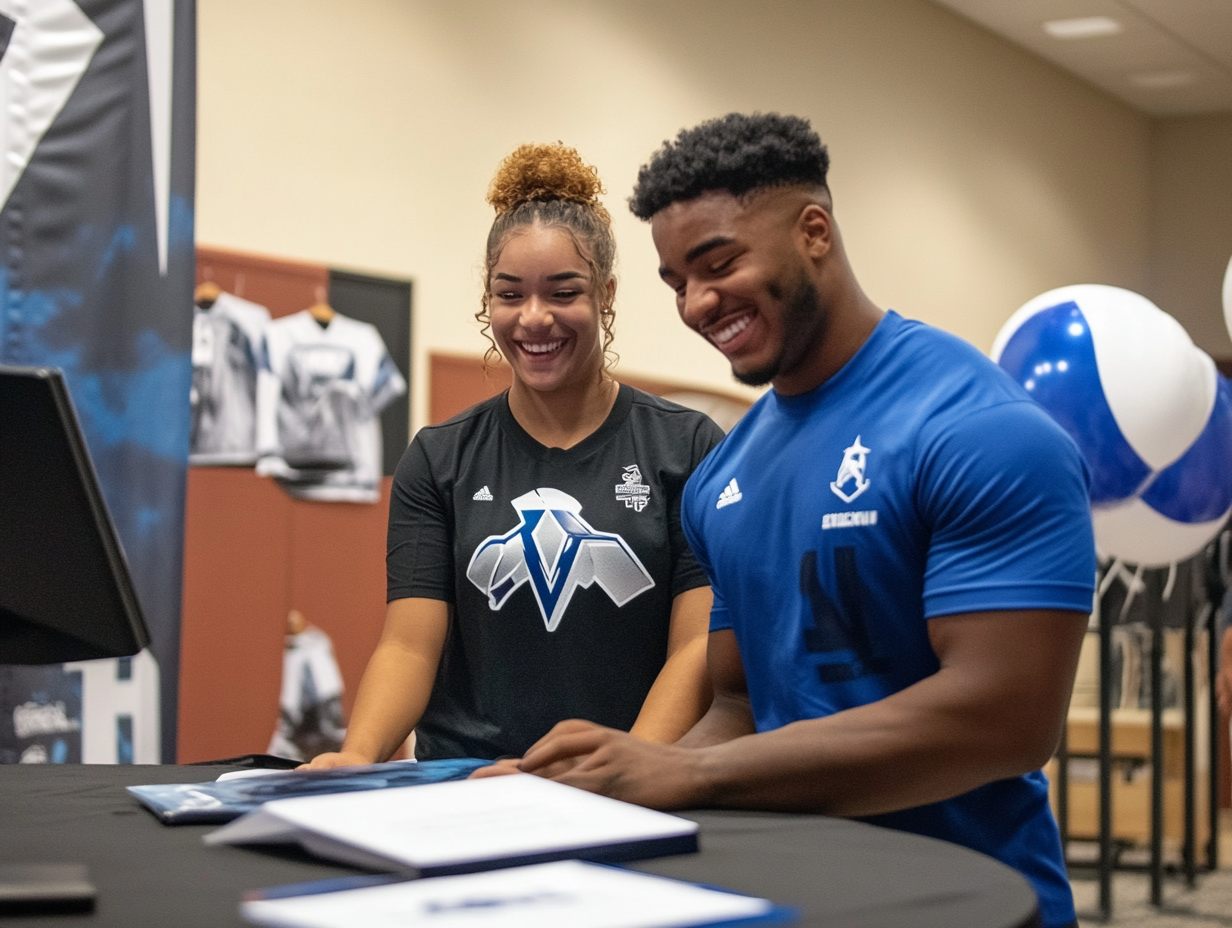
[839,873]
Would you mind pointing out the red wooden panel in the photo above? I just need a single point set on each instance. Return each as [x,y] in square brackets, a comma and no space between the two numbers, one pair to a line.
[337,577]
[237,551]
[458,382]
[282,286]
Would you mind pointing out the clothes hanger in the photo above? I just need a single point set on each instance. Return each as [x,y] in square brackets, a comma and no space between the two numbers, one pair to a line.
[206,293]
[321,311]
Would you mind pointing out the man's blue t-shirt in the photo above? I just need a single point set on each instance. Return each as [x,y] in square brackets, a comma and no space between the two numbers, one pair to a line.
[919,481]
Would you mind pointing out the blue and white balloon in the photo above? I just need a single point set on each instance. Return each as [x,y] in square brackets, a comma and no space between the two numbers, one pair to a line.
[1119,374]
[1183,508]
[1145,406]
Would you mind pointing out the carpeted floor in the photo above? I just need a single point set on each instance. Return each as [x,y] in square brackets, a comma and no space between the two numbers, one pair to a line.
[1208,905]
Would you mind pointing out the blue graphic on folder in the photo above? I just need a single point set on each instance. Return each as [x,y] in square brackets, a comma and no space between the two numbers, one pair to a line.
[217,802]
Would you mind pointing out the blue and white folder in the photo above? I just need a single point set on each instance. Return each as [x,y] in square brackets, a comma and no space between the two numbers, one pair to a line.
[564,894]
[220,801]
[448,828]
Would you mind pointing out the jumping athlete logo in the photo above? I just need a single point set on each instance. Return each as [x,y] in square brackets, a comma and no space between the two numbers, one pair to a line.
[554,549]
[852,468]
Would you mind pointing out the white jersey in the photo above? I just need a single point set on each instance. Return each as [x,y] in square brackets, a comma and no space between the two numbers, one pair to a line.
[228,351]
[310,719]
[318,403]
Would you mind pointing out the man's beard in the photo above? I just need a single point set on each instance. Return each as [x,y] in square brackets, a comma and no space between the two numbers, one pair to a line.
[802,321]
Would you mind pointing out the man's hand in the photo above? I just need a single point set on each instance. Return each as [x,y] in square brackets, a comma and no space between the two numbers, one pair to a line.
[501,768]
[613,763]
[335,759]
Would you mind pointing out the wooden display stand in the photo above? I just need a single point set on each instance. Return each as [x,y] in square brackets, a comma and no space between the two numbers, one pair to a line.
[1131,782]
[1143,774]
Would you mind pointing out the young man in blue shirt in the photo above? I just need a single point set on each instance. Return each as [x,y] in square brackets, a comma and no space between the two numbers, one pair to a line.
[898,538]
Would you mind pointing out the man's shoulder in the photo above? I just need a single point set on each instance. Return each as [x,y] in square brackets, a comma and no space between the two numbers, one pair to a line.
[733,450]
[951,360]
[945,380]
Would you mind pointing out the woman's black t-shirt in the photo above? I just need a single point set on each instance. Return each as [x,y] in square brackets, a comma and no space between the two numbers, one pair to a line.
[561,566]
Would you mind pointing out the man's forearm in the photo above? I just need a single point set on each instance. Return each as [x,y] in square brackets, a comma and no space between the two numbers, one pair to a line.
[919,746]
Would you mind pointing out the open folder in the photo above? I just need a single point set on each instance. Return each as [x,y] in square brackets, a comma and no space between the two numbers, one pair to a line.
[464,826]
[221,801]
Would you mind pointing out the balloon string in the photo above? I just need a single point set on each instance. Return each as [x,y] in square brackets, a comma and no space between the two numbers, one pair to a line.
[1167,595]
[1135,586]
[1113,572]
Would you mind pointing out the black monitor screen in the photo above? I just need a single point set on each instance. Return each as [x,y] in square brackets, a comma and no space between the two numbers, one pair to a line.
[65,591]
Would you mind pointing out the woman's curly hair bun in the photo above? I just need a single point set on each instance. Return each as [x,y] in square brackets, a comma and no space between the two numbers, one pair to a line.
[544,172]
[551,186]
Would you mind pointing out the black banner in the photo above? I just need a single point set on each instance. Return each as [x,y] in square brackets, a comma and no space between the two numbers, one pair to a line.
[97,131]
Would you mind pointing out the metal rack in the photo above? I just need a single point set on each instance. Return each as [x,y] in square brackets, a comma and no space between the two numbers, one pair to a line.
[1184,596]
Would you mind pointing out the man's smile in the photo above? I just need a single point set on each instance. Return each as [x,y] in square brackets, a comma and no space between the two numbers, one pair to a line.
[729,329]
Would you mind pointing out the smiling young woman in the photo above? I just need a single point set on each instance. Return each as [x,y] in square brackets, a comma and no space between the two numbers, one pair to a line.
[537,568]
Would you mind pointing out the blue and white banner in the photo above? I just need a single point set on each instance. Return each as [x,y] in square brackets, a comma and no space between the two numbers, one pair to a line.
[97,135]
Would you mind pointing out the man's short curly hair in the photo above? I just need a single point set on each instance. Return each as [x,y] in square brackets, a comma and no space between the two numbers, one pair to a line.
[737,153]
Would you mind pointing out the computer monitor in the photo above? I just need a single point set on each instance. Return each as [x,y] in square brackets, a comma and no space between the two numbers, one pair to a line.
[65,590]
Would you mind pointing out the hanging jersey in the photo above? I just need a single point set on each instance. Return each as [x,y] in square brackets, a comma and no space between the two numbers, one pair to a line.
[310,718]
[919,481]
[561,566]
[319,401]
[228,350]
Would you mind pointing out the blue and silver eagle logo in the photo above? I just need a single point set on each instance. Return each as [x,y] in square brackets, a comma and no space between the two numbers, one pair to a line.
[554,549]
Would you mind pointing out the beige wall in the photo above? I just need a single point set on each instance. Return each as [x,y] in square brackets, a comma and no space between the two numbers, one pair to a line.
[968,175]
[1191,224]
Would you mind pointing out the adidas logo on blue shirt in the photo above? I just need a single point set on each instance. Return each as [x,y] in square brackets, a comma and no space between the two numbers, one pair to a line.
[731,494]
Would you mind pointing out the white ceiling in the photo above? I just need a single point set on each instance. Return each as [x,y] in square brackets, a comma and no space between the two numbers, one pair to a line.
[1171,57]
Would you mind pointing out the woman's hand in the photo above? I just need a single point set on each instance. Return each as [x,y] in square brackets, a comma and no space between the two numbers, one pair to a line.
[335,759]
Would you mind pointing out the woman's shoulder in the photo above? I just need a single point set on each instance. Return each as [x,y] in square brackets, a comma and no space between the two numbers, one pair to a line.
[480,416]
[658,405]
[443,445]
[655,412]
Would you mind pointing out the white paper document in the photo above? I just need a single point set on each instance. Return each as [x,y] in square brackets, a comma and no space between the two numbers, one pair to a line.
[564,894]
[465,825]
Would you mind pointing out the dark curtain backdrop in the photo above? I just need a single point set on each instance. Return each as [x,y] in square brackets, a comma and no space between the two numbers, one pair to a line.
[96,278]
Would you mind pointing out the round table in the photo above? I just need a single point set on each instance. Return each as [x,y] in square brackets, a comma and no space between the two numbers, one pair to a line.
[837,872]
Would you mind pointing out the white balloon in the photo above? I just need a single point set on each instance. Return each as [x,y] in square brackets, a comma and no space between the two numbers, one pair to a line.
[1227,297]
[1159,385]
[1134,532]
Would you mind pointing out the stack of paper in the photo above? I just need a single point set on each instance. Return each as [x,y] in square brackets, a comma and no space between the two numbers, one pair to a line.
[565,894]
[465,826]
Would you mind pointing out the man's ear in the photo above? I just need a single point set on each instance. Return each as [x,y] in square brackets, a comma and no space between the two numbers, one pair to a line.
[815,229]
